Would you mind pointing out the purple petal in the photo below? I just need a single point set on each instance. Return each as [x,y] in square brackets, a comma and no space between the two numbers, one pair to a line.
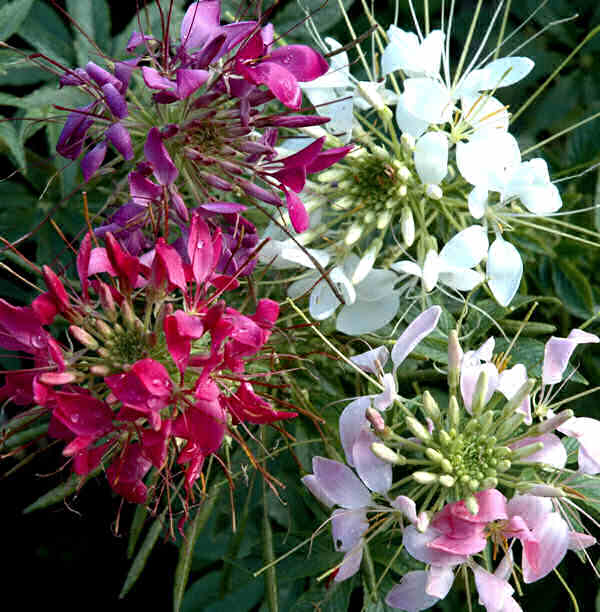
[410,593]
[374,472]
[93,160]
[156,153]
[352,421]
[120,140]
[101,76]
[188,81]
[154,79]
[72,137]
[223,207]
[201,23]
[341,484]
[124,70]
[143,191]
[420,328]
[115,101]
[348,527]
[546,551]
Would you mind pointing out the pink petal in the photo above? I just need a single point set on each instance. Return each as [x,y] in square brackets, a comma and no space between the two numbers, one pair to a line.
[199,249]
[372,361]
[509,382]
[418,546]
[350,564]
[352,421]
[439,581]
[543,554]
[410,593]
[82,414]
[531,508]
[348,527]
[312,484]
[469,375]
[580,541]
[143,191]
[279,80]
[553,453]
[341,484]
[154,79]
[83,263]
[558,351]
[374,472]
[302,61]
[493,591]
[420,328]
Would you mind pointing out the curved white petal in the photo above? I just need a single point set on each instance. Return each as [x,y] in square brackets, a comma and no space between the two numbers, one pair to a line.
[401,52]
[407,267]
[374,472]
[483,111]
[372,361]
[461,279]
[431,157]
[408,123]
[504,270]
[478,200]
[303,286]
[431,270]
[504,71]
[367,316]
[376,285]
[418,329]
[428,99]
[322,301]
[466,249]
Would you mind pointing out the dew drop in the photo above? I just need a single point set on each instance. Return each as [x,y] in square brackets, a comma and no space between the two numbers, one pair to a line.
[200,244]
[38,341]
[75,418]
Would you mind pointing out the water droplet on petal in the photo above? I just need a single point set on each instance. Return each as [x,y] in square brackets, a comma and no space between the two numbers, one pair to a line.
[75,418]
[38,341]
[200,244]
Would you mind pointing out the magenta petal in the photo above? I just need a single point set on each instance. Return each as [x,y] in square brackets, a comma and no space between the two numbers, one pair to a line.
[279,80]
[327,158]
[188,81]
[294,178]
[302,61]
[420,328]
[119,137]
[341,484]
[546,551]
[223,207]
[298,213]
[374,472]
[410,593]
[156,153]
[305,156]
[93,160]
[352,421]
[201,22]
[348,527]
[83,263]
[199,249]
[83,414]
[115,101]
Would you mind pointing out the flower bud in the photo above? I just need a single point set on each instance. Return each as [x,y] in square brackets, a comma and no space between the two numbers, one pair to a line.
[354,233]
[553,423]
[517,399]
[430,407]
[503,465]
[374,417]
[128,314]
[425,478]
[510,425]
[407,226]
[434,192]
[544,491]
[100,370]
[57,378]
[525,451]
[434,455]
[455,355]
[418,429]
[383,220]
[489,483]
[82,336]
[104,329]
[479,396]
[447,481]
[454,412]
[408,142]
[472,505]
[107,301]
[383,452]
[365,265]
[423,520]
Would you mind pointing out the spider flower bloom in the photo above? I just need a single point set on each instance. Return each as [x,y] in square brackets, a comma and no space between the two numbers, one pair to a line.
[145,391]
[200,104]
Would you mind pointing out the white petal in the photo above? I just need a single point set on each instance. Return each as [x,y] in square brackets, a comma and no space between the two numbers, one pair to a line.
[347,528]
[303,286]
[541,200]
[431,157]
[410,593]
[504,270]
[478,200]
[376,285]
[466,249]
[428,99]
[408,123]
[322,301]
[418,329]
[402,53]
[343,285]
[505,71]
[431,52]
[461,279]
[372,361]
[407,267]
[431,270]
[483,111]
[366,316]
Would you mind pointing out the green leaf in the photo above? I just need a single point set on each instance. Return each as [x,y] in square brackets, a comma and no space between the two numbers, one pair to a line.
[13,143]
[12,16]
[137,567]
[45,31]
[573,288]
[186,552]
[94,19]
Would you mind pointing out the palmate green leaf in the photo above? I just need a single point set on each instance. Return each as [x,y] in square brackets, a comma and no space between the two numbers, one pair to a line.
[573,288]
[12,16]
[46,32]
[16,70]
[12,142]
[326,14]
[94,19]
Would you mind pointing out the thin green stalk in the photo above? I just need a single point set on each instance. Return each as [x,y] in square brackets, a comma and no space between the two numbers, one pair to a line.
[463,55]
[267,542]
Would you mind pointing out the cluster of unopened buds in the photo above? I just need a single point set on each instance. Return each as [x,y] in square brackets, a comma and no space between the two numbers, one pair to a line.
[479,472]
